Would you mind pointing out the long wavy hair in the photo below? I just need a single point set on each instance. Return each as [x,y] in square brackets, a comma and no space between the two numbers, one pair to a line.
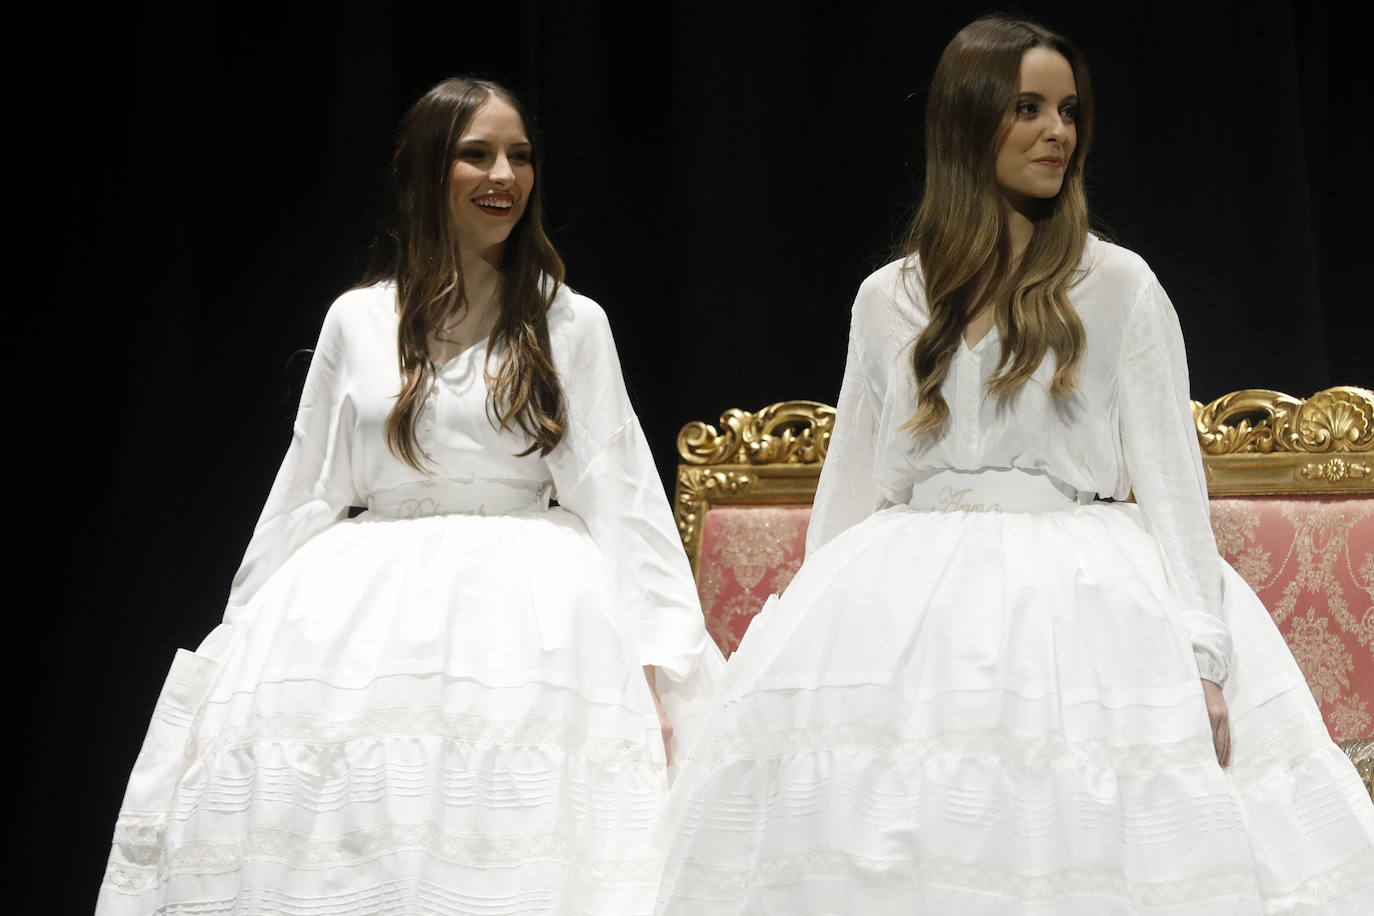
[959,233]
[420,253]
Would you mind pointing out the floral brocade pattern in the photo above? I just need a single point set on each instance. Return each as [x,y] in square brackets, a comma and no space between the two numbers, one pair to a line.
[747,554]
[1311,561]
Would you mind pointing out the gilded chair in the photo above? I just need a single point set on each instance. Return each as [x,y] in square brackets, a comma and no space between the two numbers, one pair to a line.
[1292,487]
[743,501]
[1292,482]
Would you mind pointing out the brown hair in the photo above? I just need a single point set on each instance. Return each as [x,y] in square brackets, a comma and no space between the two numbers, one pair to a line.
[420,253]
[959,231]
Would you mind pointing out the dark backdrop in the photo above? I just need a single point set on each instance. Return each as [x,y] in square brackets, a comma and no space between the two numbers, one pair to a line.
[720,176]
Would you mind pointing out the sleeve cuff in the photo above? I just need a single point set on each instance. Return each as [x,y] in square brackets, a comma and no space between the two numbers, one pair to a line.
[1209,669]
[1211,641]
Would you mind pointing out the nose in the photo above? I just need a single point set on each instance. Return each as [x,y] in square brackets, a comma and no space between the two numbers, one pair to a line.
[501,172]
[1058,129]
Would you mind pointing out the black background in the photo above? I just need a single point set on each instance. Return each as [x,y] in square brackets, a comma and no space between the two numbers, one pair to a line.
[720,176]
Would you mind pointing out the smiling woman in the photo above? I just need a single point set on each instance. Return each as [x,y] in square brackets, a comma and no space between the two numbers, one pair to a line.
[466,262]
[465,699]
[1039,141]
[491,179]
[1018,700]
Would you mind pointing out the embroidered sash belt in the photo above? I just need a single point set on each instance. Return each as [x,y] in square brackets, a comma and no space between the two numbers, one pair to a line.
[993,490]
[427,498]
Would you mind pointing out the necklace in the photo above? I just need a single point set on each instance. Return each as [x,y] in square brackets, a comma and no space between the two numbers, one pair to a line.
[461,335]
[467,326]
[446,334]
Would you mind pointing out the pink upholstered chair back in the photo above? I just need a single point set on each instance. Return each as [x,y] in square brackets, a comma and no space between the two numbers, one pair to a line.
[1311,561]
[743,502]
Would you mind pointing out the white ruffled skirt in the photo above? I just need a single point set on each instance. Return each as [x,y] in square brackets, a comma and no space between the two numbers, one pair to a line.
[999,712]
[435,715]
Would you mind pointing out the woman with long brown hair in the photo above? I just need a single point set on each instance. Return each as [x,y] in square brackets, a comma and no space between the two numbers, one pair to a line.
[989,689]
[463,699]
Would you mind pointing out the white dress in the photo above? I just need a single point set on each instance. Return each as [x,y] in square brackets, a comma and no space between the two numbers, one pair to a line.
[436,706]
[980,693]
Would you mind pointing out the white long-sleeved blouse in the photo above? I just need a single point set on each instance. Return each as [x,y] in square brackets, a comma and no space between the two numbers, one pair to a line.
[1126,427]
[602,470]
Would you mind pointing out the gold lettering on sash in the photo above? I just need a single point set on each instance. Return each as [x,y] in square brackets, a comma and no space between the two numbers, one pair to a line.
[952,500]
[428,507]
[417,508]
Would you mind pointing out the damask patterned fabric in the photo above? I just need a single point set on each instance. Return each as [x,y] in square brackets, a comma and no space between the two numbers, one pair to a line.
[747,554]
[1311,561]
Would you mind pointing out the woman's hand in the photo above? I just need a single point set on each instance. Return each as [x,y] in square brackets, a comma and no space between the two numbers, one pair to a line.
[1221,727]
[664,725]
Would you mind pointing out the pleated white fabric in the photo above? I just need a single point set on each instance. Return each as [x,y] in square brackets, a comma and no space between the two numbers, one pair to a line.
[981,692]
[436,707]
[993,712]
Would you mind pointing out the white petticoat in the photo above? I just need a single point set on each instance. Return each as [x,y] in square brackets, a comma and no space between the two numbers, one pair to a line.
[991,711]
[415,715]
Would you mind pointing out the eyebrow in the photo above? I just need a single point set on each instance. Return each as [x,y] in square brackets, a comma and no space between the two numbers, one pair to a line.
[479,141]
[1072,97]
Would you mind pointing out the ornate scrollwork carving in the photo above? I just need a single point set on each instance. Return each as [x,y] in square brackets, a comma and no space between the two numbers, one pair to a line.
[789,432]
[1259,421]
[694,486]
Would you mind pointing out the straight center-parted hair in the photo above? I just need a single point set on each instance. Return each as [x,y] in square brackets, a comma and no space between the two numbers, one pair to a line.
[420,254]
[959,233]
